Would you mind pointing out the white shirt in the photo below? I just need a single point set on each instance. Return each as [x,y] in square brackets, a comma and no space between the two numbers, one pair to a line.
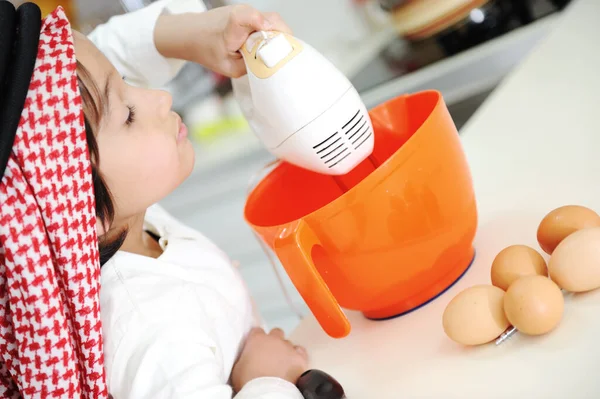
[128,42]
[173,326]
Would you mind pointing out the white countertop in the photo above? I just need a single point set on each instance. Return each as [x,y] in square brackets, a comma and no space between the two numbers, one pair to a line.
[532,146]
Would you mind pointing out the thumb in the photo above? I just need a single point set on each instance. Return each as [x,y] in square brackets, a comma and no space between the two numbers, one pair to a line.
[244,20]
[277,23]
[253,20]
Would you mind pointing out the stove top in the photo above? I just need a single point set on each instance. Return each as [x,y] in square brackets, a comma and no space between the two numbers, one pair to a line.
[401,57]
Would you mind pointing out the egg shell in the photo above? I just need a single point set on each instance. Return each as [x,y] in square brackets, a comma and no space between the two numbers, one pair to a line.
[475,316]
[534,305]
[562,222]
[515,262]
[575,263]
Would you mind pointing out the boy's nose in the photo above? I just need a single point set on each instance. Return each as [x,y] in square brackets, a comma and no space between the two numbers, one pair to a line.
[165,102]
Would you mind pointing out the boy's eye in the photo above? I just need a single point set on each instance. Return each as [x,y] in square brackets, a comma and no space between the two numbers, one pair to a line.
[130,116]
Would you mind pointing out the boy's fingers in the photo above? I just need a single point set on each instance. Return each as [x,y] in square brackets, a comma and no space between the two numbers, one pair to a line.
[277,332]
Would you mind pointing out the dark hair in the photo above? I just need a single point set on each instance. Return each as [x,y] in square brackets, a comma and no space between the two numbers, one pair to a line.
[110,242]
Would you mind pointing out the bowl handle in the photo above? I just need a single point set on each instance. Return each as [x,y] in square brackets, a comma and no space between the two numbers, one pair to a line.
[293,247]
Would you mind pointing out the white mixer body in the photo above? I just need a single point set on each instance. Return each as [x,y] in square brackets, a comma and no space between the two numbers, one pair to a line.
[304,110]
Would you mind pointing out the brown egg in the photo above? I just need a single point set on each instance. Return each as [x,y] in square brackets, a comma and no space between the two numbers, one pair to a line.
[563,221]
[534,305]
[515,262]
[575,263]
[475,316]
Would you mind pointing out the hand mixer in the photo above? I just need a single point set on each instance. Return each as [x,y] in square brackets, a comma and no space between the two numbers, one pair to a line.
[307,113]
[304,110]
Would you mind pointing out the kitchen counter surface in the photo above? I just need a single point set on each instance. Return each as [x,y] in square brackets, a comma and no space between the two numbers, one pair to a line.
[532,146]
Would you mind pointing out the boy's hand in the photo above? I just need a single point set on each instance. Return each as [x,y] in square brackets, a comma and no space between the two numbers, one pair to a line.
[213,38]
[268,355]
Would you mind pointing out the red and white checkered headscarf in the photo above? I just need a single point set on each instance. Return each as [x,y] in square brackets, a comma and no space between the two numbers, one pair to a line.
[50,331]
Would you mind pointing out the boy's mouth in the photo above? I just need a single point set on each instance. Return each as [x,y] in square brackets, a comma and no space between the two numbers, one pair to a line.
[182,130]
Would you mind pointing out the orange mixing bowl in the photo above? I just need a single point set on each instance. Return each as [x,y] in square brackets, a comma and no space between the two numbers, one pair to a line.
[387,237]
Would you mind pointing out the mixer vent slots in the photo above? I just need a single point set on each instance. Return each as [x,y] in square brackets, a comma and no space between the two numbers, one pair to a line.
[357,130]
[333,150]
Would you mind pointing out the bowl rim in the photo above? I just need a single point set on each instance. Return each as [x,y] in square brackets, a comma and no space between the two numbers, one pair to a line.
[384,167]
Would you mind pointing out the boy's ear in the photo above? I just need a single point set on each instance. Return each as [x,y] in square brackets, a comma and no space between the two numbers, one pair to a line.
[101,227]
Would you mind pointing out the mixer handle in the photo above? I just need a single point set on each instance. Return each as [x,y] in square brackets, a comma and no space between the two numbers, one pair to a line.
[293,247]
[282,49]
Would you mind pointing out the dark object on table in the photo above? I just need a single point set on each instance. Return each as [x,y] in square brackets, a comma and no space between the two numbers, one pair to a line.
[488,22]
[493,20]
[560,4]
[315,384]
[389,5]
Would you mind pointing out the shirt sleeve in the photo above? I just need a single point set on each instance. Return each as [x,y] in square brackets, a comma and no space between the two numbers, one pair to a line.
[173,355]
[269,388]
[127,40]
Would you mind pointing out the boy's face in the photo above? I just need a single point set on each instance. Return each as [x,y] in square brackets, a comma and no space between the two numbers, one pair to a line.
[144,150]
